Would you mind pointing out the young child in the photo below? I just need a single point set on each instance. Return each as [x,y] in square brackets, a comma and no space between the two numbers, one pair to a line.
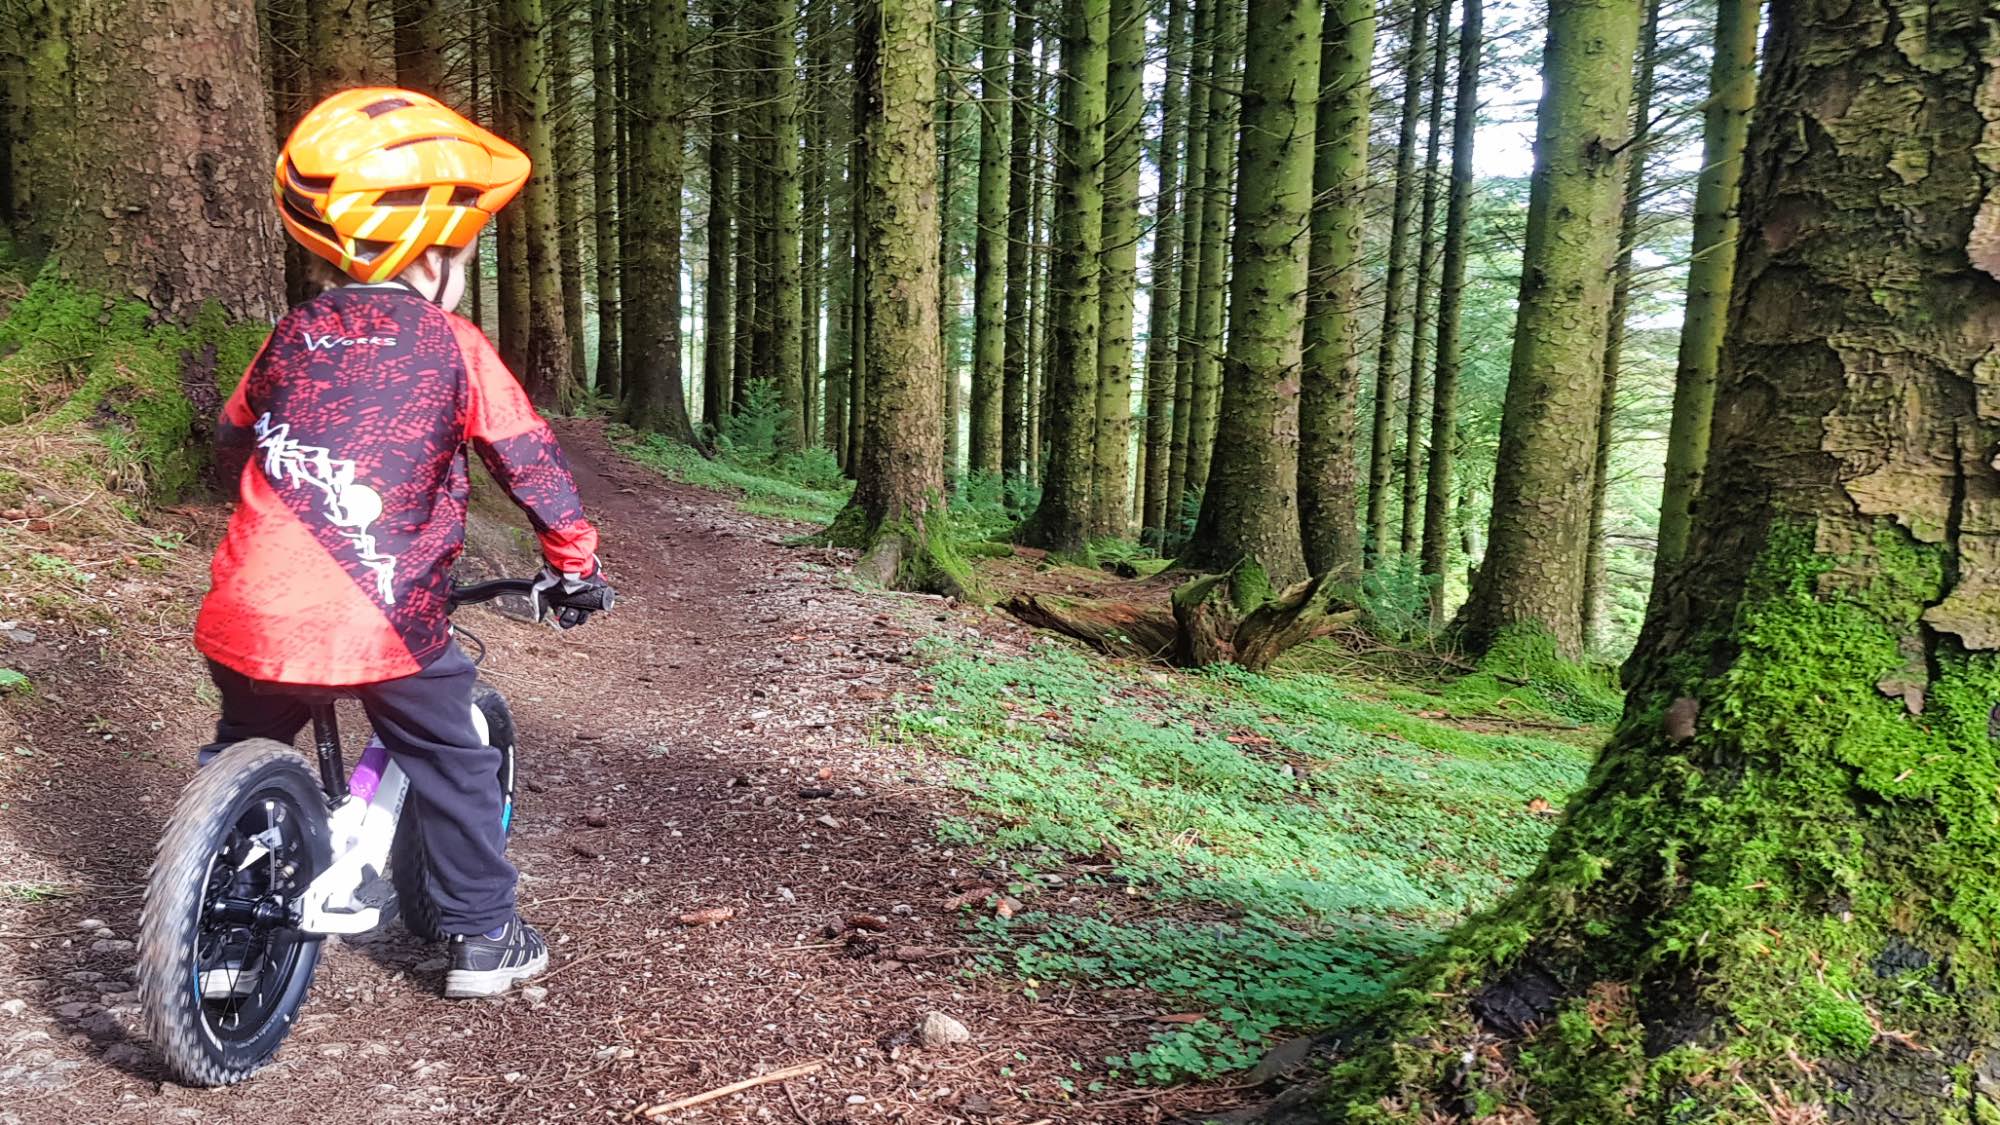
[347,438]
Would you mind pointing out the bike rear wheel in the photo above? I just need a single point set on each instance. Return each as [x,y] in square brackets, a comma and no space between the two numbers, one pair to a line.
[409,864]
[222,971]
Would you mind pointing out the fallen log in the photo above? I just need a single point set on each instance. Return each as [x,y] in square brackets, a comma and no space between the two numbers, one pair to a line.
[1118,628]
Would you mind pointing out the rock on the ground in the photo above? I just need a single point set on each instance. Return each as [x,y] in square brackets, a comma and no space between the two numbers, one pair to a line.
[124,1055]
[13,1008]
[535,996]
[939,1030]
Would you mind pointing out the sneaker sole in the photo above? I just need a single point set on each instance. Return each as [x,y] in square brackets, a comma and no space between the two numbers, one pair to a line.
[471,984]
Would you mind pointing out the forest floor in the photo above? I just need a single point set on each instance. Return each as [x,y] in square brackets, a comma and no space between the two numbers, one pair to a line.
[1130,886]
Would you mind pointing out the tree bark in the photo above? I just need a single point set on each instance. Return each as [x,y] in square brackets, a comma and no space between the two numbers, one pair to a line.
[1249,512]
[421,27]
[950,249]
[566,127]
[1020,251]
[812,240]
[1118,271]
[343,49]
[1061,523]
[1767,902]
[1201,83]
[1389,352]
[512,225]
[1163,312]
[1416,403]
[786,218]
[604,175]
[1439,487]
[655,399]
[1332,377]
[990,253]
[155,156]
[1223,108]
[899,489]
[840,260]
[718,298]
[1533,570]
[1594,590]
[1732,91]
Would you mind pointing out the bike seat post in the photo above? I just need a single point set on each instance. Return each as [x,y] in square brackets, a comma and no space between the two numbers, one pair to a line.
[326,740]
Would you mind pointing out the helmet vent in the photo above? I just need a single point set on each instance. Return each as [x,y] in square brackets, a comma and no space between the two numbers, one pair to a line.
[317,185]
[462,196]
[386,105]
[404,197]
[415,141]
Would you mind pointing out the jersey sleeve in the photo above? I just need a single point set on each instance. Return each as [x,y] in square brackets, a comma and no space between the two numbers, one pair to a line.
[521,452]
[235,430]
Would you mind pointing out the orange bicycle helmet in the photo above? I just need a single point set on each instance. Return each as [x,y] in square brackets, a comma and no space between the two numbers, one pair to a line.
[372,178]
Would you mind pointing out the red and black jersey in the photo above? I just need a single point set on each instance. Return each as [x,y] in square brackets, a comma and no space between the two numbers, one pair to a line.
[348,438]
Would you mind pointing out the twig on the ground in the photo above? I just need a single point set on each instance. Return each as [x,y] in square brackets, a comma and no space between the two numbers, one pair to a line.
[784,1075]
[794,1102]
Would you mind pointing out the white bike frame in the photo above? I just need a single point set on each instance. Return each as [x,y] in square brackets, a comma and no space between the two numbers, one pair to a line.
[362,828]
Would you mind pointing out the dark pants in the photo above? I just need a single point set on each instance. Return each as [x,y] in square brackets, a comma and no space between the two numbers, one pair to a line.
[425,720]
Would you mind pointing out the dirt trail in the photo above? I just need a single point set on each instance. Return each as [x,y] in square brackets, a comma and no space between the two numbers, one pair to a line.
[666,751]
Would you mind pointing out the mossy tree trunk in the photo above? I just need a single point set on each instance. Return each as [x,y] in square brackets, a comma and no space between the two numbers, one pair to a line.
[1205,390]
[1163,312]
[1416,402]
[1595,590]
[1533,570]
[1062,522]
[989,286]
[1020,252]
[899,488]
[1118,272]
[1732,91]
[718,298]
[1774,898]
[604,178]
[1439,487]
[157,156]
[1332,377]
[1194,194]
[1389,352]
[1249,512]
[951,250]
[654,397]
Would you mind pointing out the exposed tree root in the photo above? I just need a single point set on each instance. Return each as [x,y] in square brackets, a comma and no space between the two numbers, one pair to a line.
[1199,625]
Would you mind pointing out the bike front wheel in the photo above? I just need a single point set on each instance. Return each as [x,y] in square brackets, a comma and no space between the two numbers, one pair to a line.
[222,970]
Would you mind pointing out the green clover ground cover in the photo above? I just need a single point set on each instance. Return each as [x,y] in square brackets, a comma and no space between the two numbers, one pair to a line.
[1264,850]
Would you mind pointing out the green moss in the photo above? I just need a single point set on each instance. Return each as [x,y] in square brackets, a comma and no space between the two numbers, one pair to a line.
[1523,672]
[78,361]
[1815,864]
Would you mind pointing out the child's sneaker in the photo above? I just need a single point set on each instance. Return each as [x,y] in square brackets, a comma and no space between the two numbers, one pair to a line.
[489,964]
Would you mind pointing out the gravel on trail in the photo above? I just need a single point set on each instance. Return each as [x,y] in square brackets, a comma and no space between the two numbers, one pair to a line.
[733,854]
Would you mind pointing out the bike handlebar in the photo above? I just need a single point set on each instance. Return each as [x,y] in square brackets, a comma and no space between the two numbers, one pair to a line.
[487,591]
[594,600]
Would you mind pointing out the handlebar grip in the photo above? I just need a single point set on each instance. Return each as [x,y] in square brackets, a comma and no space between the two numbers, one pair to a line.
[597,599]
